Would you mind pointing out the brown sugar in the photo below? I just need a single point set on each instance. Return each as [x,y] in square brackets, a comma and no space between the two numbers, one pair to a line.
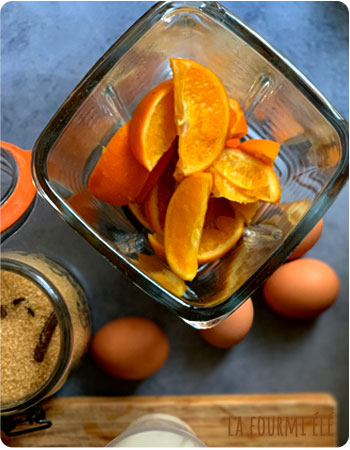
[30,337]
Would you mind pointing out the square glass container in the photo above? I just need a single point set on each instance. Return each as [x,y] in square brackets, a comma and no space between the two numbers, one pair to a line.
[279,104]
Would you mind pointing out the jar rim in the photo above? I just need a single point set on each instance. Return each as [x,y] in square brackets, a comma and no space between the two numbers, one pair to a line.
[8,167]
[66,340]
[20,195]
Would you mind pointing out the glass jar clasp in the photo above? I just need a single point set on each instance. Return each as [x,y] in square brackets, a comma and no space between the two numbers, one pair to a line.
[34,416]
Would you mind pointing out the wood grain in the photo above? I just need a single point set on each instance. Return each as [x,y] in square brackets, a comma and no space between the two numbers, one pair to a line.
[298,420]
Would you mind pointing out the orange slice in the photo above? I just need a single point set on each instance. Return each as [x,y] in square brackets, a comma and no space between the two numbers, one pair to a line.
[184,223]
[156,270]
[156,203]
[238,125]
[239,177]
[157,243]
[270,193]
[117,177]
[152,128]
[201,115]
[243,170]
[138,209]
[247,211]
[232,143]
[262,149]
[222,187]
[222,230]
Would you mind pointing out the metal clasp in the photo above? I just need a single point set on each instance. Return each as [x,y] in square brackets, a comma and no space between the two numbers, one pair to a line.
[34,416]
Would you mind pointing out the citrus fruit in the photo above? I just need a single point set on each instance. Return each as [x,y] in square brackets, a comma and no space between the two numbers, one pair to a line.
[138,210]
[262,149]
[117,177]
[232,143]
[222,187]
[242,170]
[238,125]
[247,211]
[246,176]
[157,243]
[184,223]
[156,270]
[222,229]
[156,203]
[269,194]
[201,115]
[152,127]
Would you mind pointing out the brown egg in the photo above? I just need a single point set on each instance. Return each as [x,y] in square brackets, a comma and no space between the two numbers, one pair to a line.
[308,242]
[132,348]
[302,288]
[233,329]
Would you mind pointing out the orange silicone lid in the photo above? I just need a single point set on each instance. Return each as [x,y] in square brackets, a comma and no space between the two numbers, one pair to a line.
[24,192]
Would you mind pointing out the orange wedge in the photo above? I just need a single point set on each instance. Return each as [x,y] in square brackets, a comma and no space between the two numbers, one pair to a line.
[238,125]
[243,170]
[138,209]
[232,143]
[222,187]
[184,223]
[247,211]
[152,128]
[201,115]
[118,177]
[262,149]
[156,203]
[157,243]
[240,177]
[222,229]
[270,193]
[156,270]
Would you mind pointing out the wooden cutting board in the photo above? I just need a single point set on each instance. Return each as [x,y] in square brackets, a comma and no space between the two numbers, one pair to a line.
[296,420]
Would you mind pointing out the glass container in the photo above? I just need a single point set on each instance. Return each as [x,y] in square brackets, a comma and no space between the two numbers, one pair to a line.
[279,104]
[18,192]
[157,430]
[45,321]
[71,323]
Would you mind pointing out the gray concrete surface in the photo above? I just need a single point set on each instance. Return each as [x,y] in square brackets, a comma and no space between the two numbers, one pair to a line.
[46,48]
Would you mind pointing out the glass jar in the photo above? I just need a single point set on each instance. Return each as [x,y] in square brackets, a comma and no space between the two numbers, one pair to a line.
[69,307]
[45,319]
[18,192]
[157,430]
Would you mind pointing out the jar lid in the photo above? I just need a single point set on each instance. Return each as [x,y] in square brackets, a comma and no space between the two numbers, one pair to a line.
[17,187]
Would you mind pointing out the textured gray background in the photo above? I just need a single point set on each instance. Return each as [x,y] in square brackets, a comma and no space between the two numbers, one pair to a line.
[46,49]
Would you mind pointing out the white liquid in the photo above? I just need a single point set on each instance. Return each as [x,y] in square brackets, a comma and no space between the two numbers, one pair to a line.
[157,430]
[156,439]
